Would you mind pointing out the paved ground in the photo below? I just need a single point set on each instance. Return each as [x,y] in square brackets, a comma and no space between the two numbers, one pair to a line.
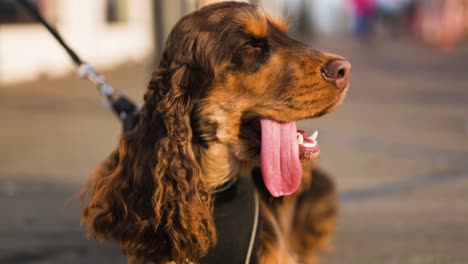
[398,150]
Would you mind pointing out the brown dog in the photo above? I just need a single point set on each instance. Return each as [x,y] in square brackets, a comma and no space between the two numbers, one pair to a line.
[223,104]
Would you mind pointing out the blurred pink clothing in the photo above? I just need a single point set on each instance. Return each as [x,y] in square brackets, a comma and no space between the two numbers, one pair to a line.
[364,8]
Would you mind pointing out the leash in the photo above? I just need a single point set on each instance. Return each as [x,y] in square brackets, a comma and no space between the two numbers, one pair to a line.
[115,99]
[253,243]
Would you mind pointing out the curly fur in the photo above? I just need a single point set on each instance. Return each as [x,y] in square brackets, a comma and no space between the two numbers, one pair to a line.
[171,211]
[175,205]
[224,66]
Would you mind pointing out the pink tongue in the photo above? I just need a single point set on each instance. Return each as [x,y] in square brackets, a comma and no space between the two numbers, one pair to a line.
[279,157]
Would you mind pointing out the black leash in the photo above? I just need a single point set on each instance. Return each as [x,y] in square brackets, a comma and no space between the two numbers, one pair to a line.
[121,105]
[33,11]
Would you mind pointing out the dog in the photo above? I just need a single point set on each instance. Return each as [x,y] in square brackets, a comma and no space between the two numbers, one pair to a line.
[223,104]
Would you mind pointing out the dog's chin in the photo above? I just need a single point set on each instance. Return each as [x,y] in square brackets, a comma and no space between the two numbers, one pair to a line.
[338,101]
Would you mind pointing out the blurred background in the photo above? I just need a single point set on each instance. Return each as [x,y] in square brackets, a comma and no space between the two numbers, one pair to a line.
[397,148]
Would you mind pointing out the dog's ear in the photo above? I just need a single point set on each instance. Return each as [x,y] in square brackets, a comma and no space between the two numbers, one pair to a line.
[149,195]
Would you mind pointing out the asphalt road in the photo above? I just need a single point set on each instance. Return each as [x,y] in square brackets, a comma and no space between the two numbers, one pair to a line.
[397,148]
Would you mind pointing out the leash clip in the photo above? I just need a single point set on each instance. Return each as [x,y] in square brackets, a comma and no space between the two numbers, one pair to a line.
[86,71]
[114,99]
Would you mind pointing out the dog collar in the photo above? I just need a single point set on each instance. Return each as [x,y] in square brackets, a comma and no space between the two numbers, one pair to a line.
[236,215]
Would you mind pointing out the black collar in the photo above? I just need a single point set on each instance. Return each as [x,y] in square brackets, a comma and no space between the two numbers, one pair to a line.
[236,215]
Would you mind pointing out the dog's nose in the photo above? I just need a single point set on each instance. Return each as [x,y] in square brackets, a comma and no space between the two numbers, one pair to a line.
[337,71]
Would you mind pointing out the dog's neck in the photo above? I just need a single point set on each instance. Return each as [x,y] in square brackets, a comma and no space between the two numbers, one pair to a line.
[222,154]
[220,165]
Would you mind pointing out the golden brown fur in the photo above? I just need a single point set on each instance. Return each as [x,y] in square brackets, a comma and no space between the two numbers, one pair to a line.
[224,67]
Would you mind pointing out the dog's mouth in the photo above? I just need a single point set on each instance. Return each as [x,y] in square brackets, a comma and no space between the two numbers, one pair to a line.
[282,147]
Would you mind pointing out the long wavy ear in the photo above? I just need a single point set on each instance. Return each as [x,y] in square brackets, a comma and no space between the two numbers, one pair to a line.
[149,195]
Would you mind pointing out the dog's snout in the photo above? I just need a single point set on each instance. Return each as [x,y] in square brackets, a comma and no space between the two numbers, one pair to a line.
[337,71]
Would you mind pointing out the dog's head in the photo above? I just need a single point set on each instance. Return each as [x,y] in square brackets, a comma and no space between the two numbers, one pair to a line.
[258,82]
[229,89]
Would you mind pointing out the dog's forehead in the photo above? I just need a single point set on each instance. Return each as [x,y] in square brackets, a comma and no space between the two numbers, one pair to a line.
[249,18]
[257,24]
[259,27]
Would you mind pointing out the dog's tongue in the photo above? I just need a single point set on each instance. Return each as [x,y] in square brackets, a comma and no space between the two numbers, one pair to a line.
[279,157]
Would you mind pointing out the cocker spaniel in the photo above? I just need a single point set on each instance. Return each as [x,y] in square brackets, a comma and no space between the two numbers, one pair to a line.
[223,104]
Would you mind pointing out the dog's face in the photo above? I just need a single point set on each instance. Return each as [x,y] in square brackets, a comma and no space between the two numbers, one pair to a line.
[260,79]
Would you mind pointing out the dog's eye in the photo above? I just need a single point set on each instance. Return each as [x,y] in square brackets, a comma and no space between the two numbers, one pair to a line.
[255,46]
[252,54]
[249,48]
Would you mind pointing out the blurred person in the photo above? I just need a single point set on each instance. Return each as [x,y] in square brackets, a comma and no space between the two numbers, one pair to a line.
[465,12]
[451,30]
[423,18]
[441,23]
[390,14]
[364,14]
[305,25]
[409,16]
